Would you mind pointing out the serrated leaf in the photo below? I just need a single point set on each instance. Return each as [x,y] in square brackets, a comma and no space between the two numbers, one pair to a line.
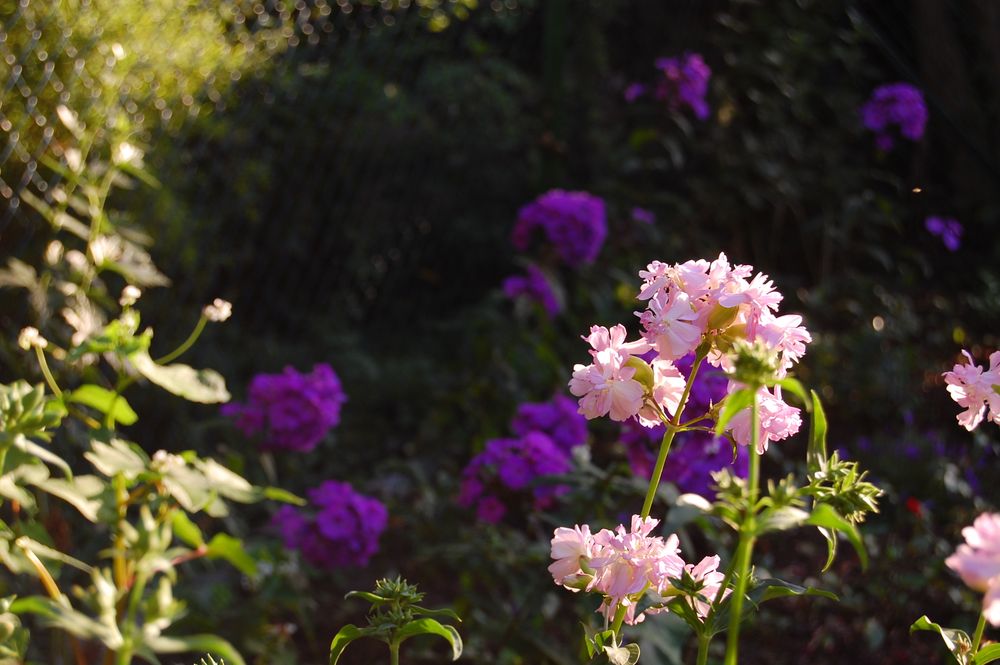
[224,546]
[205,386]
[824,515]
[956,641]
[432,627]
[345,636]
[816,453]
[198,643]
[106,401]
[735,402]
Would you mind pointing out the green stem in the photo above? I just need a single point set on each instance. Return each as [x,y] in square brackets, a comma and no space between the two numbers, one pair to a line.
[978,637]
[47,373]
[703,641]
[668,438]
[186,344]
[393,653]
[619,618]
[124,655]
[744,550]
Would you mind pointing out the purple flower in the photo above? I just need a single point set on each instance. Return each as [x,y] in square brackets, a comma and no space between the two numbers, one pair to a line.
[292,411]
[946,228]
[505,471]
[684,83]
[634,91]
[342,530]
[895,104]
[534,286]
[559,419]
[643,215]
[575,223]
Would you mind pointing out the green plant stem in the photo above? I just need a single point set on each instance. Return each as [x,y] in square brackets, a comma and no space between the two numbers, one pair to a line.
[121,503]
[619,618]
[668,438]
[978,637]
[744,550]
[393,653]
[47,373]
[703,641]
[124,655]
[186,344]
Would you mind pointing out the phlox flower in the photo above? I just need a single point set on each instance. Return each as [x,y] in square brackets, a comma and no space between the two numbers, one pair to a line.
[974,389]
[895,104]
[777,420]
[977,562]
[559,419]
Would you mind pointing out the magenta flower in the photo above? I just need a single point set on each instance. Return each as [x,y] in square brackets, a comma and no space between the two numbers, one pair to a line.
[684,83]
[946,228]
[976,390]
[291,411]
[341,530]
[977,562]
[897,105]
[574,223]
[534,286]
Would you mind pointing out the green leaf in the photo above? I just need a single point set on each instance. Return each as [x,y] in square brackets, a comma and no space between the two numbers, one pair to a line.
[736,402]
[368,596]
[793,386]
[441,612]
[956,641]
[196,385]
[345,636]
[771,589]
[816,454]
[186,530]
[31,448]
[781,519]
[46,552]
[831,545]
[199,643]
[988,654]
[106,401]
[824,515]
[224,546]
[117,457]
[284,496]
[624,655]
[68,619]
[81,492]
[432,627]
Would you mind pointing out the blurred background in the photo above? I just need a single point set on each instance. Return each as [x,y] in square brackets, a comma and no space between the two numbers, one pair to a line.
[349,172]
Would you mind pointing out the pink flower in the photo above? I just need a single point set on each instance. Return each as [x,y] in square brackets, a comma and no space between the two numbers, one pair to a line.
[668,386]
[670,324]
[607,385]
[708,574]
[787,335]
[977,562]
[568,546]
[976,390]
[758,295]
[778,420]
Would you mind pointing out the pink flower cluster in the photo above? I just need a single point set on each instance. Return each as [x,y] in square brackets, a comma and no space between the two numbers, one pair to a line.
[976,390]
[689,305]
[977,562]
[622,565]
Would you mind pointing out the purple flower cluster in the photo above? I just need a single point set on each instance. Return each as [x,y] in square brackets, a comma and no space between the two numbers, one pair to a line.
[559,419]
[292,411]
[505,470]
[535,286]
[948,229]
[693,455]
[895,104]
[684,83]
[342,531]
[575,223]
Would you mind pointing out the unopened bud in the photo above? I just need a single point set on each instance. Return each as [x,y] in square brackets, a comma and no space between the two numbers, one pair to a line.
[643,372]
[219,310]
[754,364]
[54,252]
[30,337]
[130,294]
[722,317]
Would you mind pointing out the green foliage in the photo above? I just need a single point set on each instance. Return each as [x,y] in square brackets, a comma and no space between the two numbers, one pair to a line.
[956,641]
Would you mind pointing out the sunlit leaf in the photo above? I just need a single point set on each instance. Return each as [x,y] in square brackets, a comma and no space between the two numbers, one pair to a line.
[816,454]
[195,643]
[106,401]
[345,636]
[956,641]
[735,402]
[224,546]
[824,515]
[197,385]
[432,627]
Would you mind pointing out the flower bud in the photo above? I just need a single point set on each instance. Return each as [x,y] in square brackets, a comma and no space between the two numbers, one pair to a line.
[722,317]
[30,337]
[754,364]
[54,252]
[219,310]
[643,372]
[130,294]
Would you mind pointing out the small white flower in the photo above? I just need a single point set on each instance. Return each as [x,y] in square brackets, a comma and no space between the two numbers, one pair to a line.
[130,294]
[54,252]
[165,462]
[219,310]
[30,337]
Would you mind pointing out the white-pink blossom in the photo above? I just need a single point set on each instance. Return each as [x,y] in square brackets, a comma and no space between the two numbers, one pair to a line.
[671,324]
[607,386]
[977,562]
[787,335]
[706,572]
[758,296]
[668,387]
[777,420]
[568,546]
[976,390]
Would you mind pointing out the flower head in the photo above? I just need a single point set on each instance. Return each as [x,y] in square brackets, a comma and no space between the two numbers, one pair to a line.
[558,418]
[977,390]
[684,83]
[575,223]
[342,528]
[534,286]
[977,562]
[292,411]
[946,228]
[31,338]
[218,310]
[895,105]
[776,419]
